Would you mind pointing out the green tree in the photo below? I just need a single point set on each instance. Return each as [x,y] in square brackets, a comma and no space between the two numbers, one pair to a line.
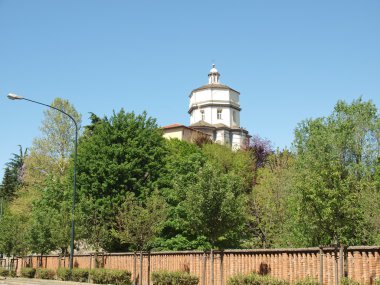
[269,203]
[50,220]
[13,175]
[50,153]
[9,184]
[239,163]
[118,155]
[337,158]
[139,224]
[214,207]
[13,237]
[181,165]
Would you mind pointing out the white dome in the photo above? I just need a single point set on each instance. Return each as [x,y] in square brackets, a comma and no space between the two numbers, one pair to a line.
[213,69]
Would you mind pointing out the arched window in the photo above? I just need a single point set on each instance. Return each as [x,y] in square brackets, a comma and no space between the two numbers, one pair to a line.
[219,114]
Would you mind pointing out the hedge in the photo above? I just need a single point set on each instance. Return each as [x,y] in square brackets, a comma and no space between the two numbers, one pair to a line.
[64,274]
[28,272]
[5,272]
[76,274]
[256,279]
[110,276]
[174,278]
[44,273]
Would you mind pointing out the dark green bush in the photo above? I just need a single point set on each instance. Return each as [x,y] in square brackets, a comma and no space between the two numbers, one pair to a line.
[111,276]
[4,272]
[64,274]
[45,273]
[174,278]
[77,274]
[28,272]
[80,275]
[255,279]
[13,273]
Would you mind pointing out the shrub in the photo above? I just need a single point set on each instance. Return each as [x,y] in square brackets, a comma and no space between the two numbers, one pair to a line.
[4,272]
[348,281]
[255,279]
[64,274]
[174,278]
[111,276]
[307,281]
[80,275]
[28,272]
[45,273]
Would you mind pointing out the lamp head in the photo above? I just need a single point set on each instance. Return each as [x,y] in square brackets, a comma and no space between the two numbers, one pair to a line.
[12,96]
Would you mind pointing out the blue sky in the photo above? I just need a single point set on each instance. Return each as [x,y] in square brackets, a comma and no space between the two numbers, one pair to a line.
[291,60]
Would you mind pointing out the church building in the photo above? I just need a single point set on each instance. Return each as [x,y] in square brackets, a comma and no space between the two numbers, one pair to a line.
[215,111]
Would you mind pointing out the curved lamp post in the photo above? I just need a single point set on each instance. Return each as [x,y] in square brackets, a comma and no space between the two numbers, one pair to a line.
[12,96]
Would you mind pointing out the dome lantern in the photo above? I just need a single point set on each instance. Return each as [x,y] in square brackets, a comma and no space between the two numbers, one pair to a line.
[213,76]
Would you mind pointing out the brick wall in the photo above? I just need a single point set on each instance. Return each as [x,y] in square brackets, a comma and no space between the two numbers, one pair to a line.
[359,263]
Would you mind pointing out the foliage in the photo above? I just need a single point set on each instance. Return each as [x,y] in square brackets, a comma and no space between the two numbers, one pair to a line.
[182,162]
[4,272]
[13,175]
[214,206]
[44,273]
[50,153]
[50,220]
[260,150]
[40,234]
[110,276]
[174,278]
[64,274]
[269,203]
[8,186]
[14,230]
[238,163]
[307,281]
[336,160]
[139,224]
[79,275]
[260,279]
[255,279]
[117,155]
[28,272]
[348,281]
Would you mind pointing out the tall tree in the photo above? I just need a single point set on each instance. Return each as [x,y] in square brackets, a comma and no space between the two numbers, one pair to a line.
[337,158]
[118,155]
[215,207]
[50,153]
[13,175]
[181,165]
[139,224]
[269,203]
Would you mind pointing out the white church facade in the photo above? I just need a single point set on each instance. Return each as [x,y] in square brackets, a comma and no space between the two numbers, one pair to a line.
[215,111]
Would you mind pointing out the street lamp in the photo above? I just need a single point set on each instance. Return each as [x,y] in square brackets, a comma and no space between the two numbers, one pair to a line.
[12,96]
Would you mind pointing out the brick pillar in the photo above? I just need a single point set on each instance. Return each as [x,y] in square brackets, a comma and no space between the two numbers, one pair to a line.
[358,266]
[377,264]
[366,277]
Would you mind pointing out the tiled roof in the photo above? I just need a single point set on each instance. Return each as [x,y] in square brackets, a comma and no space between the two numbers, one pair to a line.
[176,125]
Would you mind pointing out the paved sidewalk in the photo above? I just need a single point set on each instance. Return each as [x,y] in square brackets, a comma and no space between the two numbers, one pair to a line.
[26,281]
